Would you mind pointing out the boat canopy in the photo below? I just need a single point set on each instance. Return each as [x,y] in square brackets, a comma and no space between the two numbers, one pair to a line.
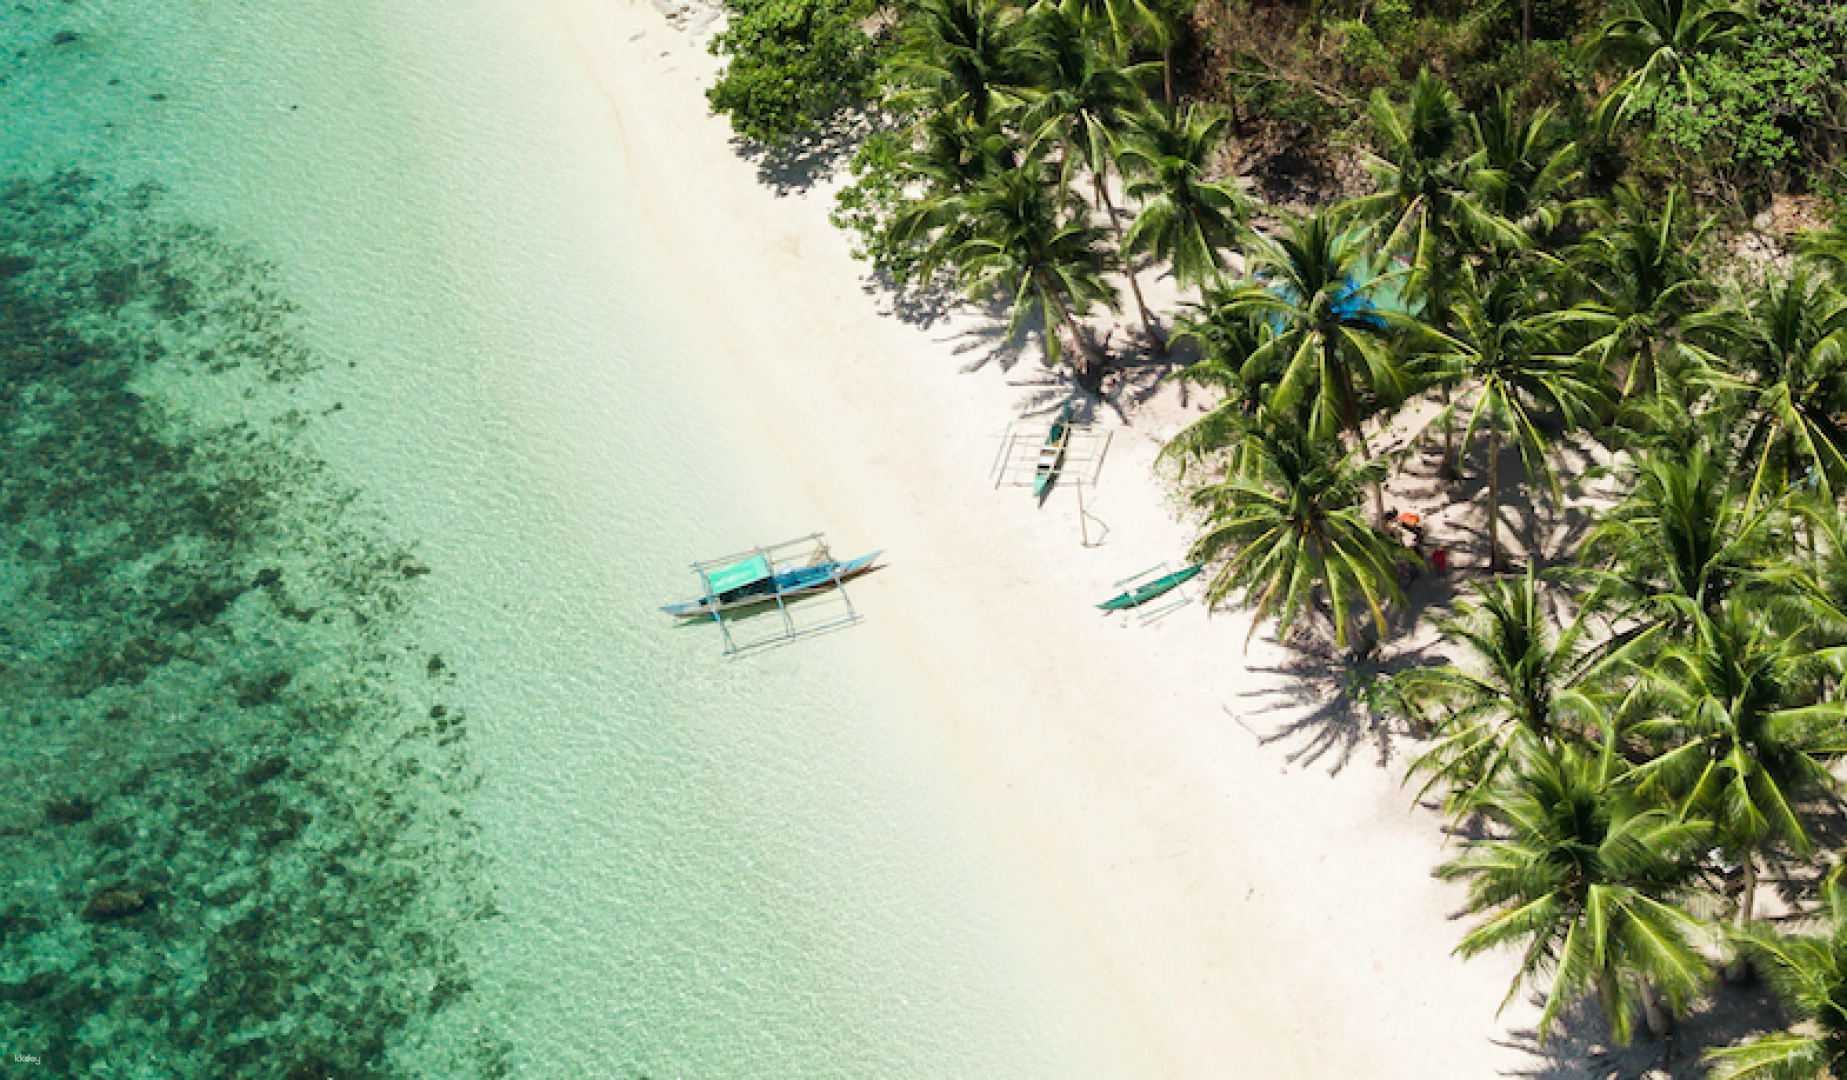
[809,570]
[737,575]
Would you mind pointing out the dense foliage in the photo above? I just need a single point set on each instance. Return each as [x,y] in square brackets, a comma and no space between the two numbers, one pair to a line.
[792,64]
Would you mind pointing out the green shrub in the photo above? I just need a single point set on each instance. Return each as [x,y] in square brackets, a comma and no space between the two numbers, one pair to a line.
[1363,54]
[1542,73]
[1754,111]
[868,206]
[792,64]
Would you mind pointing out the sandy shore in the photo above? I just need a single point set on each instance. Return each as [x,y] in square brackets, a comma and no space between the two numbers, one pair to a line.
[1252,881]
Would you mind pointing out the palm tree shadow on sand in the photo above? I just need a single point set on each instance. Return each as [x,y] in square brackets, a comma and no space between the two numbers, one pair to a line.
[1579,1046]
[919,304]
[988,342]
[1337,701]
[797,165]
[1335,704]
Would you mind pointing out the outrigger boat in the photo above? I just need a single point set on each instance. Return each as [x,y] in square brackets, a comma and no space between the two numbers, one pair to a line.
[1147,591]
[1052,454]
[755,580]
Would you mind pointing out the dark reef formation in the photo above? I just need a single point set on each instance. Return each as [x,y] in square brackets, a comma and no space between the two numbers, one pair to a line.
[232,811]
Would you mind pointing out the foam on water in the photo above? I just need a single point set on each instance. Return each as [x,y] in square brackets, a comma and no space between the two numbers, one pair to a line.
[696,867]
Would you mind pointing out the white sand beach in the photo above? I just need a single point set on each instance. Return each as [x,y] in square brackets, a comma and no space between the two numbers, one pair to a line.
[1258,896]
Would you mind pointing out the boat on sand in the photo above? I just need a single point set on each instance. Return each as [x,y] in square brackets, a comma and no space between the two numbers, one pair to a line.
[1052,454]
[1141,594]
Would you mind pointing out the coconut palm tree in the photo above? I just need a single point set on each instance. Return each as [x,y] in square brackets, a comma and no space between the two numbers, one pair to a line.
[1523,165]
[967,57]
[1081,100]
[1640,281]
[1747,736]
[1508,360]
[1676,549]
[1809,975]
[1582,876]
[1428,204]
[1779,364]
[1820,610]
[1518,678]
[1046,264]
[1226,336]
[952,158]
[1655,39]
[1185,219]
[1827,248]
[1288,534]
[1128,20]
[1334,351]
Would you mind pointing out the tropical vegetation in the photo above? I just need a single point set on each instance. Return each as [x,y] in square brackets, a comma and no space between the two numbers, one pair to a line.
[1557,244]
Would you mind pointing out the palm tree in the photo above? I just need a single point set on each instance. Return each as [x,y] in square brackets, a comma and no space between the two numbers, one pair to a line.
[1641,281]
[1082,100]
[1288,527]
[1828,249]
[1046,265]
[1427,204]
[1675,550]
[1748,738]
[1809,975]
[1581,876]
[1518,679]
[1333,350]
[1820,607]
[952,158]
[1185,219]
[1226,336]
[1508,360]
[1127,19]
[1522,166]
[1655,39]
[962,56]
[1781,364]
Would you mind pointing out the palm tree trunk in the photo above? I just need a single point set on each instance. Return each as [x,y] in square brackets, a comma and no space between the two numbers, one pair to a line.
[1659,1018]
[1378,486]
[1526,21]
[1449,471]
[1747,899]
[1350,417]
[1739,968]
[1128,264]
[1494,496]
[1090,373]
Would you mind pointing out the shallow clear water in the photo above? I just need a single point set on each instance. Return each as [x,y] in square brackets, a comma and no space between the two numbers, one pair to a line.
[446,444]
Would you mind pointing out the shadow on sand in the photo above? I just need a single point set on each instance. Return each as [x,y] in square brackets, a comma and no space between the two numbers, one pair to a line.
[796,166]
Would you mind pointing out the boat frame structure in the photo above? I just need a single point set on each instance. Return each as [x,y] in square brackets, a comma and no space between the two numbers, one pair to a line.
[1178,597]
[811,550]
[1080,461]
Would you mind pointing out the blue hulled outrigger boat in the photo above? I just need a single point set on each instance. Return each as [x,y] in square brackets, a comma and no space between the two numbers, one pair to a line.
[753,580]
[737,586]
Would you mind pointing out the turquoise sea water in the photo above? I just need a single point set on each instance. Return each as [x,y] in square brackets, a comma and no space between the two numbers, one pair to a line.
[350,445]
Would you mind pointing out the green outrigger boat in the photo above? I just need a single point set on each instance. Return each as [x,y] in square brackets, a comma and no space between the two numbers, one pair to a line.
[1052,454]
[1143,593]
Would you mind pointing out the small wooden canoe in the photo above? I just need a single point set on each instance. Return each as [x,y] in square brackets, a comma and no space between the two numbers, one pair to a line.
[1147,591]
[1052,454]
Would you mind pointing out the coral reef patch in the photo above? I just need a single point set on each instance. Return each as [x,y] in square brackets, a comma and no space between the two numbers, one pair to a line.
[232,791]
